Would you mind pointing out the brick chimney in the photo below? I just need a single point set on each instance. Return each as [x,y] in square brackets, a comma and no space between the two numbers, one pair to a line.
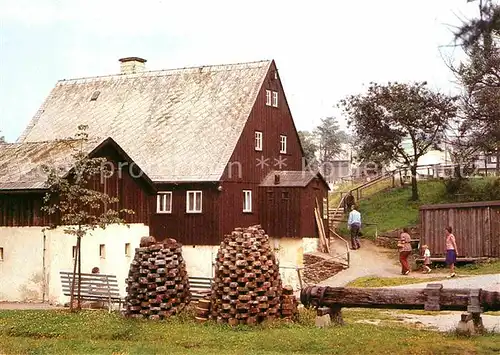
[132,65]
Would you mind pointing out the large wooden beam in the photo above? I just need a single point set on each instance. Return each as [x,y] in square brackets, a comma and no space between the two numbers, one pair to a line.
[434,297]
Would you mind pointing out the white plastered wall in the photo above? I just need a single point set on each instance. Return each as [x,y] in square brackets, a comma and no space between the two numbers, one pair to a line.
[200,259]
[22,268]
[290,254]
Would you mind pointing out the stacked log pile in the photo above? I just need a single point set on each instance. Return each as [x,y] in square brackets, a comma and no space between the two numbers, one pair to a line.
[289,304]
[157,283]
[203,309]
[247,285]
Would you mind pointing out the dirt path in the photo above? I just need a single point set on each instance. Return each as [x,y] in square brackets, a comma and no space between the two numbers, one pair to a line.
[369,260]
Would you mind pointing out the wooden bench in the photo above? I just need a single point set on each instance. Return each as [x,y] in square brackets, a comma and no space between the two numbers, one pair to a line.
[94,287]
[200,287]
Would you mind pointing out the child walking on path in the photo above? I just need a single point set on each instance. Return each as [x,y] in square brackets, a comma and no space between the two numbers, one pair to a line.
[427,259]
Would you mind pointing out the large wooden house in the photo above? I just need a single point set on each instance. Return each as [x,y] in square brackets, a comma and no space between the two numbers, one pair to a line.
[212,148]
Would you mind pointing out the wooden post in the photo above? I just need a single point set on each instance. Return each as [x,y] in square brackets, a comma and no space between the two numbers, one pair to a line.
[336,315]
[432,293]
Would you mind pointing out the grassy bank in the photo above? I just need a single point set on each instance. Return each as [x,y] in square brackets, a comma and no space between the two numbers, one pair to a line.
[97,332]
[392,209]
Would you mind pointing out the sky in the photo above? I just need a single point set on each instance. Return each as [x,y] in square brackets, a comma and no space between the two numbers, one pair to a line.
[324,50]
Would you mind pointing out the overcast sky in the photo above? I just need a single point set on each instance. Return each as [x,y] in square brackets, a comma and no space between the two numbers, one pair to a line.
[324,50]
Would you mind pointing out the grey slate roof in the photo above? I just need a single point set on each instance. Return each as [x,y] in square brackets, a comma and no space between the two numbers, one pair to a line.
[289,178]
[178,125]
[20,163]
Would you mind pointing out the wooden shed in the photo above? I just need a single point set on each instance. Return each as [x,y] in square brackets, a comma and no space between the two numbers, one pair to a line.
[287,202]
[476,226]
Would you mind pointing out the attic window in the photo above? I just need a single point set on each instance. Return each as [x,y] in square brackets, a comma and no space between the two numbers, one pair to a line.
[276,179]
[95,95]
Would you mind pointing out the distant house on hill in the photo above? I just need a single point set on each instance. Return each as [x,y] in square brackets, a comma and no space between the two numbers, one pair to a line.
[200,146]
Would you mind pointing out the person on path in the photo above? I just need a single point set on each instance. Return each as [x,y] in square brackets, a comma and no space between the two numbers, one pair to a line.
[354,225]
[427,259]
[404,246]
[451,250]
[349,201]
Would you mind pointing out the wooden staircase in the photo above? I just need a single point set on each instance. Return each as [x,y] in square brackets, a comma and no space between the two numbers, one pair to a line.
[336,217]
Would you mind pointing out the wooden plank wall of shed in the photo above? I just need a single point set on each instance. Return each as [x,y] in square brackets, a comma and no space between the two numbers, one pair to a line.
[476,230]
[279,208]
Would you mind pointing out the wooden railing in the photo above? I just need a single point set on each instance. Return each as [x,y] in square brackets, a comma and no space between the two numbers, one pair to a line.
[345,255]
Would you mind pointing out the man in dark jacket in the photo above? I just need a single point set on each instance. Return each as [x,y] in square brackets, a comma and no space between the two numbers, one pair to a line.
[349,201]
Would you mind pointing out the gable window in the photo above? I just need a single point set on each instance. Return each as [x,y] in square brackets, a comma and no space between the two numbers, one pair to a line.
[268,97]
[193,201]
[247,200]
[164,202]
[282,144]
[275,99]
[258,140]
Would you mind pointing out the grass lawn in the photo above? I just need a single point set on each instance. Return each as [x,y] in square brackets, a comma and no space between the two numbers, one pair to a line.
[392,209]
[373,281]
[97,332]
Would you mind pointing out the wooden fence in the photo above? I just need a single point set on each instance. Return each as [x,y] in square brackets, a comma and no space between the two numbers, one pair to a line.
[476,226]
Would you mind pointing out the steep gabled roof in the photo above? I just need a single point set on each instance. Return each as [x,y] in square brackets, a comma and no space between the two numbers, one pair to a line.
[178,125]
[289,178]
[21,163]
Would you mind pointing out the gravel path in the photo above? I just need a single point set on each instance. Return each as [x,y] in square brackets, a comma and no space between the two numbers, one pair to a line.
[27,305]
[486,282]
[369,260]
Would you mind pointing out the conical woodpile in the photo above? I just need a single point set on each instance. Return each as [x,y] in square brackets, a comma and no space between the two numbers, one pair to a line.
[247,285]
[157,283]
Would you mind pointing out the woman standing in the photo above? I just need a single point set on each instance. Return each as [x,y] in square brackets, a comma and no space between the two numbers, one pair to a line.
[451,250]
[404,251]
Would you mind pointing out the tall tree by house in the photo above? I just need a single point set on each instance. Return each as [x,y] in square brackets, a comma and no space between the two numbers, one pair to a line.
[76,206]
[386,115]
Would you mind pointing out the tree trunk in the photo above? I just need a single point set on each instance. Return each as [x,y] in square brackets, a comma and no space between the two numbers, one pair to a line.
[448,298]
[414,187]
[79,248]
[73,282]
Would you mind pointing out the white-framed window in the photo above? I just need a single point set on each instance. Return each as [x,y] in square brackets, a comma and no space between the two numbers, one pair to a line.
[193,201]
[258,140]
[164,202]
[275,99]
[268,97]
[247,200]
[282,144]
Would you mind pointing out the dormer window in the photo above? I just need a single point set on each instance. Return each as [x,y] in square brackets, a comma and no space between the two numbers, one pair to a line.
[95,95]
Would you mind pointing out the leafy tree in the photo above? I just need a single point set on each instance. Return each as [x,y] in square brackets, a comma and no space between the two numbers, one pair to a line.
[330,139]
[76,206]
[309,146]
[480,77]
[386,115]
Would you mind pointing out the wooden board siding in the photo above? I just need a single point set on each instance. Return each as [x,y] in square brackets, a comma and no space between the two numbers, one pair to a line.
[315,190]
[231,206]
[279,208]
[476,228]
[24,208]
[272,122]
[243,171]
[188,228]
